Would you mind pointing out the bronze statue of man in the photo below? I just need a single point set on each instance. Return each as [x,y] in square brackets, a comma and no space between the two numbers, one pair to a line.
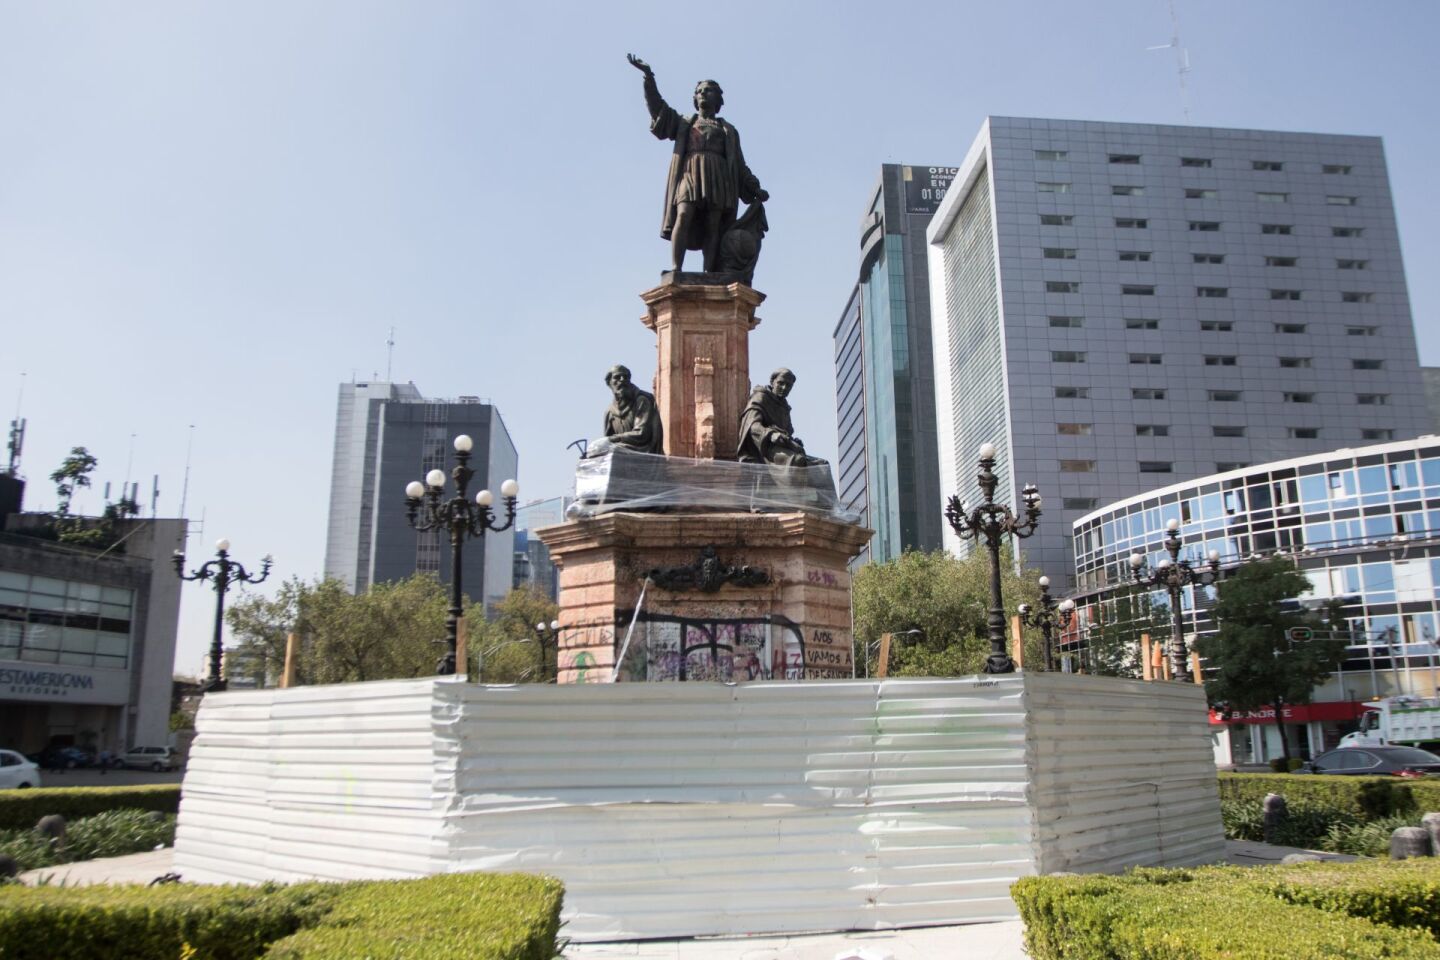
[708,176]
[766,433]
[633,419]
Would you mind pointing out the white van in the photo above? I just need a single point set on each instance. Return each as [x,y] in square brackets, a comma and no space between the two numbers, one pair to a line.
[153,758]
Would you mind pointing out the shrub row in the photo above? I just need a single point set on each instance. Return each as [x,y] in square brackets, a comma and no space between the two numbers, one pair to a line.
[1303,912]
[479,915]
[1334,791]
[111,834]
[22,808]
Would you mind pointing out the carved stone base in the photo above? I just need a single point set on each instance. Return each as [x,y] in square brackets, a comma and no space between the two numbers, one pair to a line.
[702,379]
[709,624]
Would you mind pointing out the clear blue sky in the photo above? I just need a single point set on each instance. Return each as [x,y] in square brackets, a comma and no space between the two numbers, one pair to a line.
[212,213]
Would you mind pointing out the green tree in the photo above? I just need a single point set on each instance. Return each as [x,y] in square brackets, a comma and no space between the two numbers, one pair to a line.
[1252,662]
[1112,643]
[392,630]
[72,474]
[263,623]
[947,600]
[506,649]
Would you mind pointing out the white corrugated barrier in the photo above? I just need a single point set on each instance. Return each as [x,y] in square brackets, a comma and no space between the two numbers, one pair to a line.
[695,808]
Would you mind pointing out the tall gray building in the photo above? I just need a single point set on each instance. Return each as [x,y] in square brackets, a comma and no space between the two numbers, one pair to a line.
[884,374]
[387,434]
[1123,306]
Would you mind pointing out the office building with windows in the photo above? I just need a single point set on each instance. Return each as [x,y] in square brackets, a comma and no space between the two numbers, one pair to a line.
[1120,306]
[887,470]
[533,566]
[1363,524]
[386,435]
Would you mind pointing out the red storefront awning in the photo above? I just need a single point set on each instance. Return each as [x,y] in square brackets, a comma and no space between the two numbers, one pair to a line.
[1341,710]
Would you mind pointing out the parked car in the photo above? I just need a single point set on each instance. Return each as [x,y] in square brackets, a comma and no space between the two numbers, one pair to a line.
[153,758]
[17,772]
[1369,761]
[63,758]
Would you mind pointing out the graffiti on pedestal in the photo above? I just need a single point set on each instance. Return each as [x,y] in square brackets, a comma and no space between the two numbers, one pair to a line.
[669,648]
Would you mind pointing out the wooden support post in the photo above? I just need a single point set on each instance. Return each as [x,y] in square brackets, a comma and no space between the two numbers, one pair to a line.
[462,664]
[1195,670]
[292,654]
[1147,668]
[882,668]
[1017,643]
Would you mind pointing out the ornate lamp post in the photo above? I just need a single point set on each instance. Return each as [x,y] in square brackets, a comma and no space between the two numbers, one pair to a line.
[992,521]
[547,636]
[428,510]
[1173,575]
[223,571]
[1051,614]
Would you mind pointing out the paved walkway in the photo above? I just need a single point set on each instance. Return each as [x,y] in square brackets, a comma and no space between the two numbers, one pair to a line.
[977,941]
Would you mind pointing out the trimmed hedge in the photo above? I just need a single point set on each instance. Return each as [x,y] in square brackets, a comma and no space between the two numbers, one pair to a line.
[1331,790]
[20,809]
[1307,911]
[480,915]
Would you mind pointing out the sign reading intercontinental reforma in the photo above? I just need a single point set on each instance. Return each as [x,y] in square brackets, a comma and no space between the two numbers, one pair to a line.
[58,682]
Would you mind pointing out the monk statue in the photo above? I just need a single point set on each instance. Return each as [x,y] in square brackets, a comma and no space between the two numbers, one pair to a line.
[766,434]
[708,178]
[633,419]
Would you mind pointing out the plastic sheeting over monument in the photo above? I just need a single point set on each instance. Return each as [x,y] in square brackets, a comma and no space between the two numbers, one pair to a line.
[704,808]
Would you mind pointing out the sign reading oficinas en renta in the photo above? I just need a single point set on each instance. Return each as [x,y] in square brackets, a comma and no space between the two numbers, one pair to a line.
[37,681]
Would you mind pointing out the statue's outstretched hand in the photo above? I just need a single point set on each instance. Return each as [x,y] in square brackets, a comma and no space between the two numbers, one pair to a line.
[762,195]
[639,64]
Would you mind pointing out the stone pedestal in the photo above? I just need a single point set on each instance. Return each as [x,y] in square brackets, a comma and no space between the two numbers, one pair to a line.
[702,379]
[803,605]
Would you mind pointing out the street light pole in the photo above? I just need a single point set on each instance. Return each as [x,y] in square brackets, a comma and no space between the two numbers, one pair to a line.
[427,510]
[991,521]
[1173,576]
[546,635]
[223,572]
[1051,614]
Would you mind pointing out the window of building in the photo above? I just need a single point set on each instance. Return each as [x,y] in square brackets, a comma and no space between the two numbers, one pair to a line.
[1062,286]
[1145,358]
[1156,466]
[1147,393]
[1281,261]
[1141,323]
[1204,226]
[1289,328]
[1067,356]
[1372,399]
[1137,289]
[1220,360]
[1208,257]
[1217,326]
[1284,294]
[1051,154]
[1376,433]
[1124,158]
[1132,223]
[1225,466]
[1295,363]
[1280,229]
[1212,292]
[1073,429]
[1356,296]
[1070,322]
[1052,187]
[1196,162]
[1272,197]
[1352,264]
[1126,190]
[1072,393]
[1059,253]
[1152,430]
[1056,219]
[1077,466]
[1347,231]
[1367,364]
[1341,168]
[1200,193]
[1366,331]
[1298,397]
[1224,396]
[1136,256]
[1274,166]
[1303,433]
[1335,201]
[1220,431]
[1079,503]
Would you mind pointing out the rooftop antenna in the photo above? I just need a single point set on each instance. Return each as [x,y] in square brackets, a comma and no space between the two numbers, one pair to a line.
[154,495]
[129,463]
[17,432]
[185,485]
[1182,59]
[389,354]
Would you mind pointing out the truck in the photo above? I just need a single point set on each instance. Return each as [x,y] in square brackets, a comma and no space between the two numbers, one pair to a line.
[1401,721]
